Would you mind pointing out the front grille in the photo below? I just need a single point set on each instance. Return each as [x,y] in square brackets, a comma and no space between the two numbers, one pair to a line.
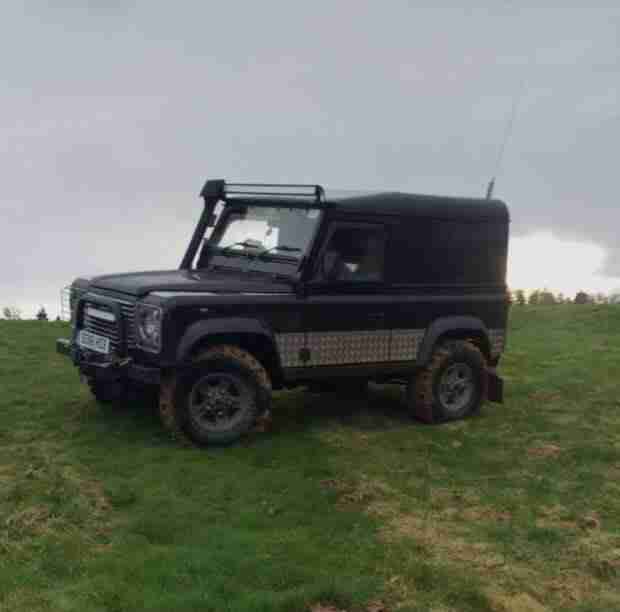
[111,329]
[129,311]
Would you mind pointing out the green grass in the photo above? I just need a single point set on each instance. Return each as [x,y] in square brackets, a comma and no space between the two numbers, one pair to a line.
[344,502]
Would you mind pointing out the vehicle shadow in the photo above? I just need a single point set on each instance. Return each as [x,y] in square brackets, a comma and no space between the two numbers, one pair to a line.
[135,416]
[382,408]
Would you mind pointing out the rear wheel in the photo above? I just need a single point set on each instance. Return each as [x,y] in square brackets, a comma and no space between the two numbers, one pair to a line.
[452,386]
[218,399]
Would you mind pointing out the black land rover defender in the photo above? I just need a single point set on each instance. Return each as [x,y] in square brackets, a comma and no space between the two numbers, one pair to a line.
[285,285]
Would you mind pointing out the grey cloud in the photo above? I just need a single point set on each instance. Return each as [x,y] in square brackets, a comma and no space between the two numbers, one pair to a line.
[112,117]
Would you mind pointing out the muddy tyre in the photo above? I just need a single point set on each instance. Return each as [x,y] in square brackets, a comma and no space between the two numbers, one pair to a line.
[452,386]
[216,400]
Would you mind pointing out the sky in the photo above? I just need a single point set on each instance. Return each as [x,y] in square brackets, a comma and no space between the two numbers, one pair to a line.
[114,113]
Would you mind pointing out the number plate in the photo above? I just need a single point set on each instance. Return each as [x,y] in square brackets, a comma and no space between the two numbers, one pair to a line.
[99,344]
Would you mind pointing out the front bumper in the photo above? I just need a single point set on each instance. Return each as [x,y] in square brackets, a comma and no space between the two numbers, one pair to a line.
[107,371]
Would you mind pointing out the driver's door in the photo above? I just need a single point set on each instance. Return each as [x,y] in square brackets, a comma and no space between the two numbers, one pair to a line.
[344,314]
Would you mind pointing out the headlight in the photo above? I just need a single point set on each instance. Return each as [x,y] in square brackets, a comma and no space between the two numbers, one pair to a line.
[148,324]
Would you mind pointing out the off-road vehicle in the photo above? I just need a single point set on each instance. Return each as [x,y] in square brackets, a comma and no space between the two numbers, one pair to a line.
[289,285]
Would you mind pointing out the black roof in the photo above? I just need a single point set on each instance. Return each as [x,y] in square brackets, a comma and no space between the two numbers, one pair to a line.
[397,203]
[386,203]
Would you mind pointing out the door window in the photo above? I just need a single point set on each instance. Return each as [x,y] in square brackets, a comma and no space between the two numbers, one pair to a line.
[354,254]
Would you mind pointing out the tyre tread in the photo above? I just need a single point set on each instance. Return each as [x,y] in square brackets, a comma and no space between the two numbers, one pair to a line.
[168,409]
[422,394]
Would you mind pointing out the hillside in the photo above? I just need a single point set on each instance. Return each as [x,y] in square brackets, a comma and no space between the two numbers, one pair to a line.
[346,502]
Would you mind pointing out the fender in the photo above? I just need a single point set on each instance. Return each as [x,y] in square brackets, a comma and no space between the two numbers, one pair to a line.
[444,325]
[199,330]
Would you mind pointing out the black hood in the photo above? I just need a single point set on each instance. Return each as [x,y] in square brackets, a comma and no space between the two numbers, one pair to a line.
[142,283]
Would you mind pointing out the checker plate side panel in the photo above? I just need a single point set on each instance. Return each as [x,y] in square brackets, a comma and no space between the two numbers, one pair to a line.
[351,347]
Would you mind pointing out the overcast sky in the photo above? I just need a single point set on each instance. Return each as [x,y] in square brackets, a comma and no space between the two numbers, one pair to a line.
[113,113]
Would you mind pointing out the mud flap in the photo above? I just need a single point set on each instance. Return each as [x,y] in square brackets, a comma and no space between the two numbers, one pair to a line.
[425,414]
[495,390]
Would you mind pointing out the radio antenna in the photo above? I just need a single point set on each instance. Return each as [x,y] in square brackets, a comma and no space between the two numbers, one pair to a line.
[507,133]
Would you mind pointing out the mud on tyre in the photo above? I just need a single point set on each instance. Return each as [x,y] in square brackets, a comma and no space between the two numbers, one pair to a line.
[452,386]
[217,399]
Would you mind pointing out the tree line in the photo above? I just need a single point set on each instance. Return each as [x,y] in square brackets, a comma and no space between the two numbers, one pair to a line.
[15,314]
[544,297]
[537,297]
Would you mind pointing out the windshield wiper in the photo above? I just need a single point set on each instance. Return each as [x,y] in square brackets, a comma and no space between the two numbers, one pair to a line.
[280,247]
[244,243]
[262,254]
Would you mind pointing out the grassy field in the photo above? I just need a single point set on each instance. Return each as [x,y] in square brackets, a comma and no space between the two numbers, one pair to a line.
[346,504]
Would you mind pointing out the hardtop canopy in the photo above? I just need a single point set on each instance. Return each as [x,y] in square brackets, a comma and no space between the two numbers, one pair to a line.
[418,205]
[376,203]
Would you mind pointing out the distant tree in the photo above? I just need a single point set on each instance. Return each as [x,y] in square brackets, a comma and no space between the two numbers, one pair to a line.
[546,298]
[520,297]
[42,314]
[534,298]
[601,298]
[582,298]
[58,318]
[11,313]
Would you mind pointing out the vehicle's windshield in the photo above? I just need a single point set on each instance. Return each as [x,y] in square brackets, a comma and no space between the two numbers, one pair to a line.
[264,233]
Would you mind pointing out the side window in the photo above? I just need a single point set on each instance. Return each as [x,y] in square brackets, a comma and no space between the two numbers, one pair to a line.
[353,253]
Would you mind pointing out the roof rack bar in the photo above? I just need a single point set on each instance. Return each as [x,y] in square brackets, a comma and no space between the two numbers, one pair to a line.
[285,185]
[271,193]
[220,189]
[283,190]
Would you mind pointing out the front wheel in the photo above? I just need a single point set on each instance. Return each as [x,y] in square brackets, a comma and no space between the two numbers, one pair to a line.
[452,386]
[218,399]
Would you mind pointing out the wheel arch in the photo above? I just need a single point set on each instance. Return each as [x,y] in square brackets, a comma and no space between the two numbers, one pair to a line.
[454,328]
[250,335]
